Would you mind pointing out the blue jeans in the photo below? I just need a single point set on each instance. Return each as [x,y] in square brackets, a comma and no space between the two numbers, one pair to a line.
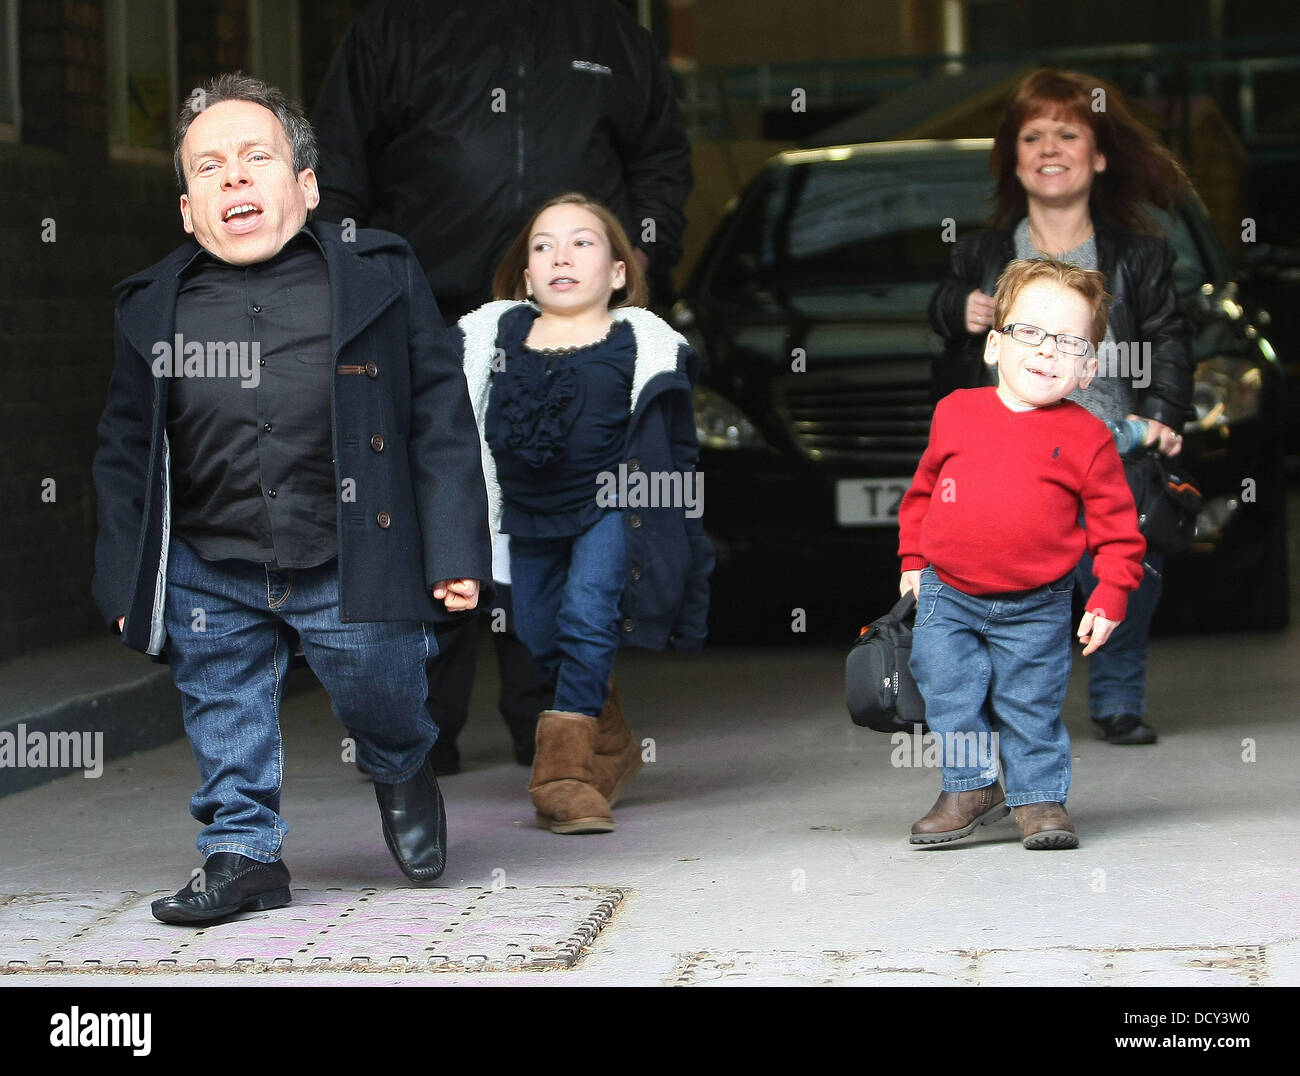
[229,648]
[566,595]
[998,663]
[1117,673]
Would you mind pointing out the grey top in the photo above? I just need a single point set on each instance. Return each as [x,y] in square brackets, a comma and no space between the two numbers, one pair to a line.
[1110,397]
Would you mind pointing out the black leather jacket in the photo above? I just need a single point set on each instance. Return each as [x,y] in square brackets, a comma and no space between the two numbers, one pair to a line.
[1139,276]
[450,123]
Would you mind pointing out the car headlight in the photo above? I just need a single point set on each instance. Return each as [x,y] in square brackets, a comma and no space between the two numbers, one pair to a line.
[1226,391]
[721,424]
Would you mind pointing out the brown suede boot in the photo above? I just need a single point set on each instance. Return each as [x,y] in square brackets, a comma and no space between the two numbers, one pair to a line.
[1045,826]
[618,755]
[561,785]
[956,814]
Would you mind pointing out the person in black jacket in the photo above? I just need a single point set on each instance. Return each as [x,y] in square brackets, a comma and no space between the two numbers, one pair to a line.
[449,123]
[1074,171]
[288,447]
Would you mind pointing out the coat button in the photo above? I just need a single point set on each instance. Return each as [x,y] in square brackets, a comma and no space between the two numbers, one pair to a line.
[266,427]
[635,573]
[384,520]
[629,626]
[634,464]
[634,520]
[377,442]
[270,493]
[372,370]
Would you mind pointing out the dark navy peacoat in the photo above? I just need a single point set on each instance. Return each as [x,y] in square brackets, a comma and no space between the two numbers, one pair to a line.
[412,507]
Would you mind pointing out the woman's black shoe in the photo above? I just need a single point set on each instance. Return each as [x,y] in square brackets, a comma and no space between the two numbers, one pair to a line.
[1126,729]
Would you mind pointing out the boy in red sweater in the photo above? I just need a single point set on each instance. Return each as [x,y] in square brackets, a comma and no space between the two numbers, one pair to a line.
[1015,483]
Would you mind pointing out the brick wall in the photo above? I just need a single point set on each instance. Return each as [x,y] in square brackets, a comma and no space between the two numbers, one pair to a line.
[56,352]
[107,219]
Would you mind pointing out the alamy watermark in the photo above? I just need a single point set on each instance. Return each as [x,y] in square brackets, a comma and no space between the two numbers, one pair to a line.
[21,749]
[214,358]
[932,750]
[113,1029]
[635,488]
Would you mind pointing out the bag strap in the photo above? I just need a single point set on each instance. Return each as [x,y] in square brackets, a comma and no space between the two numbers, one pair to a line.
[904,605]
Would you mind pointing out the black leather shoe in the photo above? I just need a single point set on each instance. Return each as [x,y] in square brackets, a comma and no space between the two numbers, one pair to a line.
[1126,729]
[230,883]
[415,824]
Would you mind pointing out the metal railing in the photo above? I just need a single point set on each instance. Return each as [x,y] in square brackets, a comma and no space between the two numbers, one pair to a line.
[1227,70]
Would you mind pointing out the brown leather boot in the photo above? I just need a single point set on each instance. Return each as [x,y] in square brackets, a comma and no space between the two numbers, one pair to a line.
[618,755]
[956,814]
[1045,826]
[561,785]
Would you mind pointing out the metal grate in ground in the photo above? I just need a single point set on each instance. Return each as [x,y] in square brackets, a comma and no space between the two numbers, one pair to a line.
[1225,965]
[511,928]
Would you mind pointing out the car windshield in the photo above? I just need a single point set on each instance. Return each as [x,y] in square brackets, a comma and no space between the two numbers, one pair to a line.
[863,241]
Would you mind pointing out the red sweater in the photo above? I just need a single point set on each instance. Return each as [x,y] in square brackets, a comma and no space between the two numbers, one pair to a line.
[994,505]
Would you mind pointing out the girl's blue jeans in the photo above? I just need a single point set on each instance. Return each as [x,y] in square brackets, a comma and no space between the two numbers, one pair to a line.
[566,595]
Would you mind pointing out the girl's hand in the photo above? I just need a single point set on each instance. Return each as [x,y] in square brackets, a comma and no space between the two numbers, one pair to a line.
[979,312]
[456,594]
[1094,630]
[910,581]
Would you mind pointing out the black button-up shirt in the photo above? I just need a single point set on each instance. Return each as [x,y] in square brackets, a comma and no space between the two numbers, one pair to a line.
[248,411]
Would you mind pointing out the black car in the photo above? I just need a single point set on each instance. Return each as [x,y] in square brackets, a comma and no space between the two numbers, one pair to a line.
[809,309]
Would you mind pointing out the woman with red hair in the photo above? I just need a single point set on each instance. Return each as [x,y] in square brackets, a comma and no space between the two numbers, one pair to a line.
[1074,175]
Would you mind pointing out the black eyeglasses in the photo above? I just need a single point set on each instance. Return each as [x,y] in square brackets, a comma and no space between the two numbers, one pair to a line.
[1032,336]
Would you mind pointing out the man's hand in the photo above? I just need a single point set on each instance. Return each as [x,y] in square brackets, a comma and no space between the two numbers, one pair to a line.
[1094,630]
[979,312]
[910,581]
[456,594]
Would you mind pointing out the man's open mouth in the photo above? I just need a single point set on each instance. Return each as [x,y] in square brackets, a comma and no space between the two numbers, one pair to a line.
[242,216]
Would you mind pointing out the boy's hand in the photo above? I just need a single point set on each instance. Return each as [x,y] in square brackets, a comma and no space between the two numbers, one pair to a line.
[910,581]
[979,312]
[459,594]
[1094,630]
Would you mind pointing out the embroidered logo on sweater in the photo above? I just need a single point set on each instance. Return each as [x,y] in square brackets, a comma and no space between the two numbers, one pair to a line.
[1056,452]
[594,68]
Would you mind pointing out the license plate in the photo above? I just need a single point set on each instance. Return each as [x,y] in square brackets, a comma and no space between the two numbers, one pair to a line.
[869,502]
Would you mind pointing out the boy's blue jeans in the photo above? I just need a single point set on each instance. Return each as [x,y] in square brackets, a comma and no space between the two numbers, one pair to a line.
[998,663]
[566,594]
[229,650]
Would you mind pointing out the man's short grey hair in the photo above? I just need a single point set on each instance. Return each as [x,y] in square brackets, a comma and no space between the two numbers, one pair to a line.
[237,86]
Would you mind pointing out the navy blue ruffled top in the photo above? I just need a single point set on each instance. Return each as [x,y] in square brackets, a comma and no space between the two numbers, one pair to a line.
[556,420]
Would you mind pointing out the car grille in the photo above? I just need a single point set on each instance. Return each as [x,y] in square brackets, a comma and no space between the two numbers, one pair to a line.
[843,419]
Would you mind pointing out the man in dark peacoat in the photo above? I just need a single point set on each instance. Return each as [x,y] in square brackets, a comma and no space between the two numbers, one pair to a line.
[359,562]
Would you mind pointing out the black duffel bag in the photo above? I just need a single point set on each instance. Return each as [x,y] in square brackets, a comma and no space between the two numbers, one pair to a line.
[878,685]
[1168,501]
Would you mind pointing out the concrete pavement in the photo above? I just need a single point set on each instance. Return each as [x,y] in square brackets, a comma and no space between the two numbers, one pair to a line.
[765,843]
